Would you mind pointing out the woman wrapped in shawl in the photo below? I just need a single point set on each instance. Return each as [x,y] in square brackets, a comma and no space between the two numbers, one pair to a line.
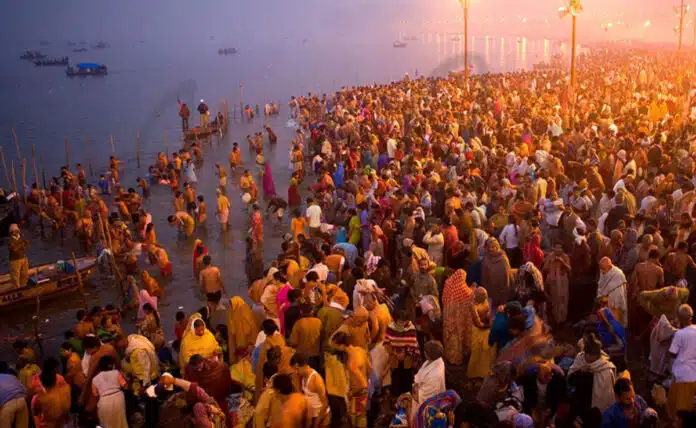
[457,307]
[197,339]
[495,275]
[242,329]
[143,364]
[401,342]
[268,183]
[482,354]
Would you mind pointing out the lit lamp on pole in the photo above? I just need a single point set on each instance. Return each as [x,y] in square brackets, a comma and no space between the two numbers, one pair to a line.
[573,9]
[465,12]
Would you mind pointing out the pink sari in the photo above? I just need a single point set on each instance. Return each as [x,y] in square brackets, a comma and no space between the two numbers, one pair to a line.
[145,297]
[268,185]
[283,301]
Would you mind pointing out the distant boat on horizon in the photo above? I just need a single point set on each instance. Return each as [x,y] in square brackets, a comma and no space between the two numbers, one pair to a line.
[80,50]
[86,69]
[399,44]
[100,45]
[227,51]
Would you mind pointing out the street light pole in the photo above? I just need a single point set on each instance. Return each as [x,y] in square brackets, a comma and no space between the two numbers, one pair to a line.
[465,11]
[681,26]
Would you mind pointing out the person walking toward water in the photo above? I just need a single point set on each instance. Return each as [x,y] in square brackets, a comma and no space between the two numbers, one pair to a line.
[204,112]
[222,209]
[107,386]
[184,114]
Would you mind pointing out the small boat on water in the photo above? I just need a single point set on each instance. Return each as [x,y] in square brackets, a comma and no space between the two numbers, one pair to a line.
[100,45]
[86,69]
[80,50]
[399,44]
[44,43]
[71,43]
[227,51]
[45,281]
[51,61]
[33,55]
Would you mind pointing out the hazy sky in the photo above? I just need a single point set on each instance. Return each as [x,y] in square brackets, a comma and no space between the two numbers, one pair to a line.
[180,22]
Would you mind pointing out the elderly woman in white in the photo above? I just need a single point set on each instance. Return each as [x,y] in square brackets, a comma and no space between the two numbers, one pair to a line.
[430,379]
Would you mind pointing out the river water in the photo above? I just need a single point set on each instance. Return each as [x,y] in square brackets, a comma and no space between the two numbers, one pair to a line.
[153,62]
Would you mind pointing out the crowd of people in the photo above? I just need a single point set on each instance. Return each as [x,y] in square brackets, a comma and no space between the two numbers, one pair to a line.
[459,253]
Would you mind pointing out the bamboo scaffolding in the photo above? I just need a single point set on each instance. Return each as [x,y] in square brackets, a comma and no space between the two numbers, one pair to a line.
[4,168]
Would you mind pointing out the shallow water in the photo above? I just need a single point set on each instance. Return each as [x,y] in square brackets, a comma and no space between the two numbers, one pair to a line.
[150,69]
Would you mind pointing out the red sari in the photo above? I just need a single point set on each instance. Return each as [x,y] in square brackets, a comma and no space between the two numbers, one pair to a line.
[199,250]
[294,199]
[457,317]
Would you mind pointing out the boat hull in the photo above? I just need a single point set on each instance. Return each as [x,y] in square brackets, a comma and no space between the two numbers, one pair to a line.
[50,284]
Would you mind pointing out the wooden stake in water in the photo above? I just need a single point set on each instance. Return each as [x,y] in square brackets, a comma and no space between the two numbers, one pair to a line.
[89,157]
[113,146]
[67,153]
[16,142]
[14,178]
[43,171]
[24,182]
[4,168]
[79,281]
[241,100]
[166,144]
[36,180]
[137,147]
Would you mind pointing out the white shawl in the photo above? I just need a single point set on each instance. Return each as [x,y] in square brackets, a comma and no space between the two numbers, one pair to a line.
[430,380]
[613,285]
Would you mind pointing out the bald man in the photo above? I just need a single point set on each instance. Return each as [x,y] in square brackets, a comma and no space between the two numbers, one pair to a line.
[612,286]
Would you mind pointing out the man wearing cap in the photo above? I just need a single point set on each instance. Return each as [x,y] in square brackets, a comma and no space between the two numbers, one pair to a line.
[203,111]
[19,264]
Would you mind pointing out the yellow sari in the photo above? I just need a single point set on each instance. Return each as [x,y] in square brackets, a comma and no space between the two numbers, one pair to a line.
[242,329]
[191,344]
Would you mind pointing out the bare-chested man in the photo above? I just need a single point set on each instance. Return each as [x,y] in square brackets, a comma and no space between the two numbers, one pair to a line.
[211,282]
[358,369]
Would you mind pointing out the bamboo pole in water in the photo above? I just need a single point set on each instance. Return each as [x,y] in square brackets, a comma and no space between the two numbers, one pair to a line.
[166,144]
[14,178]
[113,146]
[89,157]
[79,282]
[67,153]
[16,143]
[4,168]
[36,180]
[137,147]
[24,180]
[43,171]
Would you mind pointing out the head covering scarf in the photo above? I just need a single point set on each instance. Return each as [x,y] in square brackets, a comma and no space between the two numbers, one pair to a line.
[206,346]
[457,306]
[242,328]
[339,175]
[144,298]
[268,184]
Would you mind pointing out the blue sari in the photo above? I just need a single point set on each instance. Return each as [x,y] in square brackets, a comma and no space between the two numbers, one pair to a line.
[339,175]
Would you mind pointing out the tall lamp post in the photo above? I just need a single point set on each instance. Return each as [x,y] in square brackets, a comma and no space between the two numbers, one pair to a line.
[465,11]
[573,8]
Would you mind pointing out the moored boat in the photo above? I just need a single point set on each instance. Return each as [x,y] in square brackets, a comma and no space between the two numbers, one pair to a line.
[398,44]
[52,61]
[86,69]
[227,51]
[32,55]
[45,281]
[80,50]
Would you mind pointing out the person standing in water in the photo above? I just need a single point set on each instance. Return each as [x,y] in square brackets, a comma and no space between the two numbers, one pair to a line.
[204,112]
[184,114]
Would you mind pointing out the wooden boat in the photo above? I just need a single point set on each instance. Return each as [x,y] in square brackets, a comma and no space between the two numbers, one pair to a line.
[51,61]
[198,133]
[86,69]
[80,50]
[45,281]
[398,44]
[100,45]
[227,51]
[32,55]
